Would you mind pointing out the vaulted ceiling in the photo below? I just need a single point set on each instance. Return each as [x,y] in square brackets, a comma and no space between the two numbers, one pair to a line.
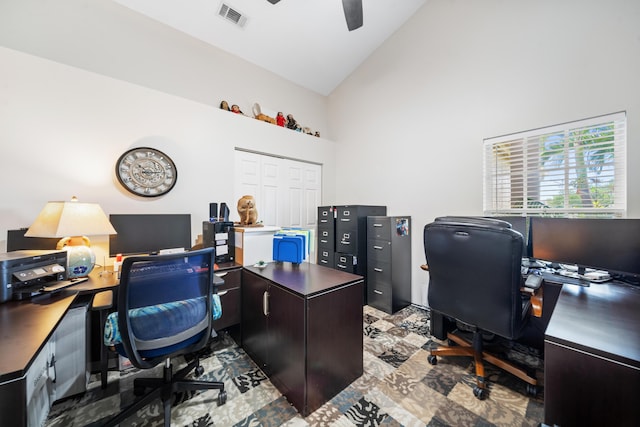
[304,41]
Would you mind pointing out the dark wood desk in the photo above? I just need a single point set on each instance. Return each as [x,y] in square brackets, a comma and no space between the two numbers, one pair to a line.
[25,329]
[26,325]
[302,324]
[592,357]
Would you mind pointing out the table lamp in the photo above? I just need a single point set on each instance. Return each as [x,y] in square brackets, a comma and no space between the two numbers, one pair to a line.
[73,222]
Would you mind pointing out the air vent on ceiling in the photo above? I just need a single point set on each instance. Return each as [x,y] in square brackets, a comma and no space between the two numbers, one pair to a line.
[230,14]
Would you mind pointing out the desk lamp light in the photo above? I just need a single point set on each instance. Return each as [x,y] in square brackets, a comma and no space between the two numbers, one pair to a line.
[73,222]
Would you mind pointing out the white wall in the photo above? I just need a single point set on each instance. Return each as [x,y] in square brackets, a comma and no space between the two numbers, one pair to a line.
[62,130]
[110,39]
[410,121]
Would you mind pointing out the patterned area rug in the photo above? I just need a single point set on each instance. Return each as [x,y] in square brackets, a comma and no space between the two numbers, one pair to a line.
[398,388]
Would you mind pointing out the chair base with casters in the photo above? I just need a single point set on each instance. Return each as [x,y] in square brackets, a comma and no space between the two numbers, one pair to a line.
[475,349]
[165,387]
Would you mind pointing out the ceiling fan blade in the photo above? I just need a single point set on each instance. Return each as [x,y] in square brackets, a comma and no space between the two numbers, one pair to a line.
[273,1]
[352,13]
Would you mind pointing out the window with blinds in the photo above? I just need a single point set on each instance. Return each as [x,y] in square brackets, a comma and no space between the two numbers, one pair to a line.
[571,169]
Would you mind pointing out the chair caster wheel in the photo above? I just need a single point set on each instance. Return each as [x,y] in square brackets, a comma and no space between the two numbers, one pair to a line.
[532,390]
[480,393]
[432,359]
[222,398]
[199,371]
[138,390]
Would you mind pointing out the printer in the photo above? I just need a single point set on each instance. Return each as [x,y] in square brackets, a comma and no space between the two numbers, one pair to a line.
[24,273]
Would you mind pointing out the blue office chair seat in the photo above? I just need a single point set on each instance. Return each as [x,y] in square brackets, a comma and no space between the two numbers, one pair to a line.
[163,328]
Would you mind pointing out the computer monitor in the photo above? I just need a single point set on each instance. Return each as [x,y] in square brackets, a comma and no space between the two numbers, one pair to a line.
[16,241]
[612,245]
[149,233]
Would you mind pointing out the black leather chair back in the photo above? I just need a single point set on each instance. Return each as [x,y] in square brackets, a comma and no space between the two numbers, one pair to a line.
[474,273]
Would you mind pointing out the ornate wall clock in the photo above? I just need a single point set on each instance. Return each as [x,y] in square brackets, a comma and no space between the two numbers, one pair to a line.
[146,172]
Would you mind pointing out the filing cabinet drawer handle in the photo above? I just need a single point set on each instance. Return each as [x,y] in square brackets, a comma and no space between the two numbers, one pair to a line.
[377,247]
[221,293]
[377,292]
[221,274]
[345,243]
[342,266]
[377,225]
[379,270]
[345,219]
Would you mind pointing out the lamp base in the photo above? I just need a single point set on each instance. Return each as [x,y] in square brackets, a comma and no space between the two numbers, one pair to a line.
[80,258]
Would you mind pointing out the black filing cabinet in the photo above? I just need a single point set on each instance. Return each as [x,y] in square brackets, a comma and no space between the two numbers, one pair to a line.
[342,237]
[326,236]
[389,262]
[351,237]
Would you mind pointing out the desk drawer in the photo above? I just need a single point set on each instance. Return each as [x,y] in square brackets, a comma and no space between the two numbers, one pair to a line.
[229,298]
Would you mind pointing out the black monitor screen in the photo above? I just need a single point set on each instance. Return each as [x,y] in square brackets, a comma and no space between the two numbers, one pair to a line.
[149,233]
[17,242]
[605,244]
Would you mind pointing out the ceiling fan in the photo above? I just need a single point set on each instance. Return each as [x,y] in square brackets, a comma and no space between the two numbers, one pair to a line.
[352,12]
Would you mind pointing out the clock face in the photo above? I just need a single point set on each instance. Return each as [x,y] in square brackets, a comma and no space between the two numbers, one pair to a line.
[146,172]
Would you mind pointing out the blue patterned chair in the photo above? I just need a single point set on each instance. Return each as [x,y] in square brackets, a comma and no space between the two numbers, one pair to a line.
[165,308]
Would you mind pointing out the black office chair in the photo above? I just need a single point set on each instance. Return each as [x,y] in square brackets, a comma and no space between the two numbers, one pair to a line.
[165,309]
[475,279]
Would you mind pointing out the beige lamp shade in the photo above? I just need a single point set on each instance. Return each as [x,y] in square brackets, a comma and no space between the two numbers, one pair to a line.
[73,221]
[64,219]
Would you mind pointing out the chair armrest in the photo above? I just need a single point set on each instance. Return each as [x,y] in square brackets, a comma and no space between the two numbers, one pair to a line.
[536,299]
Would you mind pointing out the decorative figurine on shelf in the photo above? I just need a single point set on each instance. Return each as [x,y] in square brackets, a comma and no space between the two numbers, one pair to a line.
[292,123]
[257,113]
[280,120]
[225,106]
[236,109]
[317,134]
[247,210]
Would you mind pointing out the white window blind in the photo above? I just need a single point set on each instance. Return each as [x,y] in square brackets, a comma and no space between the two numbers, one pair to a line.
[571,169]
